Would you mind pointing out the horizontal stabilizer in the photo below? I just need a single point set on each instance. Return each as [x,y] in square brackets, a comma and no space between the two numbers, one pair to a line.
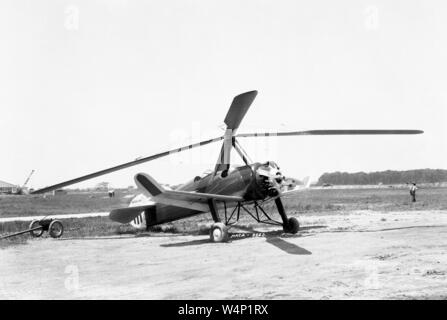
[126,215]
[185,199]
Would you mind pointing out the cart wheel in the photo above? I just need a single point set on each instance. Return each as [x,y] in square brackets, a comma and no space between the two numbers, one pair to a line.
[56,229]
[35,233]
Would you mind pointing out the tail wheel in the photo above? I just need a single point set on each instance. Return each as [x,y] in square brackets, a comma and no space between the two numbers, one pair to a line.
[219,232]
[56,229]
[292,225]
[35,233]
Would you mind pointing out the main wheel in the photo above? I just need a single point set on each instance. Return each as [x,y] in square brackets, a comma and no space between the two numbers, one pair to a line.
[292,225]
[56,229]
[35,233]
[219,232]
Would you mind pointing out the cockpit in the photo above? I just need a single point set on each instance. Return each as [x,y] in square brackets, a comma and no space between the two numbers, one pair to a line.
[204,174]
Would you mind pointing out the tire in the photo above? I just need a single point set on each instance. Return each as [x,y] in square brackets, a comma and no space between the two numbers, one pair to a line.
[292,226]
[56,229]
[219,232]
[35,233]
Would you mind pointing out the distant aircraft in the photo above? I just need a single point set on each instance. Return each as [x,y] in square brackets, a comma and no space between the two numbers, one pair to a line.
[226,192]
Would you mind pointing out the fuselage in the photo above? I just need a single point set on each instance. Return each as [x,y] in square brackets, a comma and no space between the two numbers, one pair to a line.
[251,182]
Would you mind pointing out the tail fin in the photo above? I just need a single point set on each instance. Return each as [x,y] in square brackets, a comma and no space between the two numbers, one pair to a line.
[148,185]
[126,215]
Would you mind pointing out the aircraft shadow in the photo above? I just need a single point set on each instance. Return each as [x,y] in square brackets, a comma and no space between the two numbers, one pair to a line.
[272,237]
[279,232]
[287,247]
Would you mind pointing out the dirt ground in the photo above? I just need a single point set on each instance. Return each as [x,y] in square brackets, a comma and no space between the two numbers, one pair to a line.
[351,255]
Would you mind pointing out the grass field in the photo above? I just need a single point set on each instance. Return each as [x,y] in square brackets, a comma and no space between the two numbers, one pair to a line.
[383,199]
[33,205]
[313,201]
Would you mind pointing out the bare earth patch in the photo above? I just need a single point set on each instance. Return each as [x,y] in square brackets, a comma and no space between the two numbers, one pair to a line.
[354,255]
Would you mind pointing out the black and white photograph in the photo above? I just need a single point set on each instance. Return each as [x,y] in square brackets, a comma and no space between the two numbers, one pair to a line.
[205,150]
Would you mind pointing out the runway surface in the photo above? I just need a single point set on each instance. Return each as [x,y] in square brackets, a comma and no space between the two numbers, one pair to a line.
[356,255]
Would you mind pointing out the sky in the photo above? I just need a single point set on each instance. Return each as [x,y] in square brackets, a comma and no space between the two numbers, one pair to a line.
[85,85]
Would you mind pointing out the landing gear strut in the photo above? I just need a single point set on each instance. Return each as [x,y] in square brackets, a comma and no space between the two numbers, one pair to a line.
[289,225]
[219,231]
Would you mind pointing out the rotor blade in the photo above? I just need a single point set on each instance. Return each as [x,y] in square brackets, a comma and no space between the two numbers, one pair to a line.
[123,166]
[239,108]
[329,132]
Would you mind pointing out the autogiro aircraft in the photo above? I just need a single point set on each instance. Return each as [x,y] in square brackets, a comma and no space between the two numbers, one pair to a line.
[225,191]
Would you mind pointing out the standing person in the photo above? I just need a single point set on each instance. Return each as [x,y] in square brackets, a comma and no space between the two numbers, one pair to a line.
[413,189]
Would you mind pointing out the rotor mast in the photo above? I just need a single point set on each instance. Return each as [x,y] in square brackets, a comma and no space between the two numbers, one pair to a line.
[233,119]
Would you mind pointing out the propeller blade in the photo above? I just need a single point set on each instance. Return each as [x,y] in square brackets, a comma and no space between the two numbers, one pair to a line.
[124,165]
[328,132]
[239,108]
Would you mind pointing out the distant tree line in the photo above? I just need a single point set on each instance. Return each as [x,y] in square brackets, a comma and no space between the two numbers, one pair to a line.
[384,177]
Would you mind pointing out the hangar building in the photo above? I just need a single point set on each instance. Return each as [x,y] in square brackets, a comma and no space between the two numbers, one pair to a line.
[6,187]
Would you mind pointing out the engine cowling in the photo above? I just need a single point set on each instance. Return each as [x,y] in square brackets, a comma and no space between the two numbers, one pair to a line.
[269,178]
